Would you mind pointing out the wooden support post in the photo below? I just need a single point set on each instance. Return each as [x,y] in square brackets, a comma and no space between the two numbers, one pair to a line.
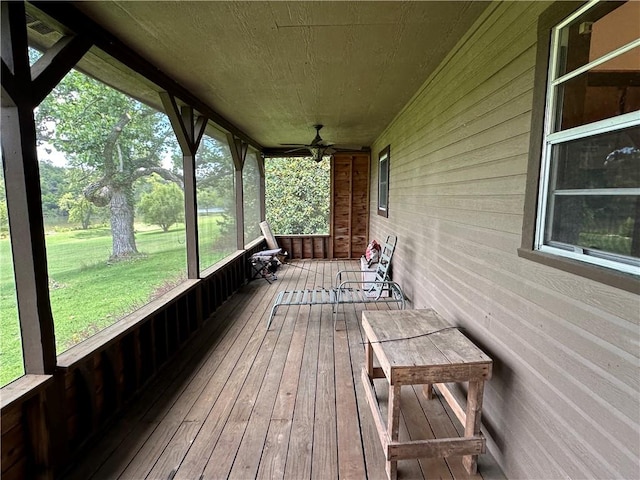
[189,130]
[262,188]
[239,153]
[24,200]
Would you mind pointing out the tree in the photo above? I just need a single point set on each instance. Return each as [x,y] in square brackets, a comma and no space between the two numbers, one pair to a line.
[78,208]
[52,186]
[163,205]
[297,195]
[113,139]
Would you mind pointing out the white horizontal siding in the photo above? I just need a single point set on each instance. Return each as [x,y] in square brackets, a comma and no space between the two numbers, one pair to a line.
[564,400]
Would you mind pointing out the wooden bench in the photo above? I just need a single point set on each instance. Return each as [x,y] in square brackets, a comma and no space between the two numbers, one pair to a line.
[417,347]
[382,289]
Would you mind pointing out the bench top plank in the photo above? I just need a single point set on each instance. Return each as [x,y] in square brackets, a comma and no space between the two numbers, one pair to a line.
[420,344]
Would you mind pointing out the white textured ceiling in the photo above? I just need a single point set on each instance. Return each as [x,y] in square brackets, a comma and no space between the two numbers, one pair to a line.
[274,69]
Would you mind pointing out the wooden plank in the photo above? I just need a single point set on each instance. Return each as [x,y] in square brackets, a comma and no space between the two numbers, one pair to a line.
[247,463]
[326,450]
[299,455]
[117,450]
[435,448]
[258,427]
[457,409]
[274,455]
[14,447]
[21,389]
[418,429]
[216,401]
[350,457]
[224,454]
[378,420]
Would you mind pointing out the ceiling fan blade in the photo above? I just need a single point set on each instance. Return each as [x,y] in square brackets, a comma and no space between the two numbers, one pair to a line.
[294,145]
[296,149]
[348,147]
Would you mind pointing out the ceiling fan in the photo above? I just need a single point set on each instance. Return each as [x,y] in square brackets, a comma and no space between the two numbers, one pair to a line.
[318,148]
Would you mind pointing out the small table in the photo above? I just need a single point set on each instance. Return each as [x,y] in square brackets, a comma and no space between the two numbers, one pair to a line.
[261,264]
[418,347]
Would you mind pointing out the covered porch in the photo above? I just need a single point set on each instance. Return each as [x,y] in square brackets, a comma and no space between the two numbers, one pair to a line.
[243,402]
[441,109]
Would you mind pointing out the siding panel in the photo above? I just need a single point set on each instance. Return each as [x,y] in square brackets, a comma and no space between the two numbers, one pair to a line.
[564,399]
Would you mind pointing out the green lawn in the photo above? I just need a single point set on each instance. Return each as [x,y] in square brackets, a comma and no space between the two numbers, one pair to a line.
[87,292]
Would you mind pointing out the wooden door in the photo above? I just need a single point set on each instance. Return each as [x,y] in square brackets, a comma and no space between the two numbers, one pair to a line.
[349,204]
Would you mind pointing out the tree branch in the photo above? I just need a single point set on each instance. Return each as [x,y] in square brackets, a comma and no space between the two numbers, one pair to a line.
[163,172]
[110,143]
[98,192]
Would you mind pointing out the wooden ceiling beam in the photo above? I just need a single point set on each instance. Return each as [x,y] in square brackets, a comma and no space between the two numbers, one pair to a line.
[188,127]
[56,62]
[68,15]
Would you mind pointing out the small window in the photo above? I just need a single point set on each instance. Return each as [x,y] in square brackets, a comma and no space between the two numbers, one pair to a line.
[383,182]
[589,189]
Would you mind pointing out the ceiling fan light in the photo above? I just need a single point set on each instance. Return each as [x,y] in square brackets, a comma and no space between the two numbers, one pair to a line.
[317,153]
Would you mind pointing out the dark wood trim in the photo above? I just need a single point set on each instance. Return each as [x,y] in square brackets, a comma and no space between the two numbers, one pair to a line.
[384,212]
[262,187]
[22,389]
[332,212]
[27,239]
[549,18]
[188,127]
[14,40]
[604,275]
[68,15]
[56,62]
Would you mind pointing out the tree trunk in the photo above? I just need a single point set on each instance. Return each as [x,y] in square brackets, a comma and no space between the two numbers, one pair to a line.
[124,241]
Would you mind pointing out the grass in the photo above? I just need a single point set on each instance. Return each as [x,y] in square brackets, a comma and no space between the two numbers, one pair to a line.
[88,292]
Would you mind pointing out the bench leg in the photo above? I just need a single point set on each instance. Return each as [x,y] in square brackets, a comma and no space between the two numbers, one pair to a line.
[472,424]
[427,390]
[393,427]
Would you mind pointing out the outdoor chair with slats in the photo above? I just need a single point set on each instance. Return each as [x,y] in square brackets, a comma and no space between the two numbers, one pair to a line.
[346,291]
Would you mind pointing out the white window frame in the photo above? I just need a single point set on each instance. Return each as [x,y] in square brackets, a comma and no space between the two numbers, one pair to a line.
[551,138]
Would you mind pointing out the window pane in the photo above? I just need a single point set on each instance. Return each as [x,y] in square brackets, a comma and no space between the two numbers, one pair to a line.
[599,31]
[610,160]
[11,357]
[383,181]
[216,200]
[251,197]
[115,234]
[605,223]
[608,90]
[297,195]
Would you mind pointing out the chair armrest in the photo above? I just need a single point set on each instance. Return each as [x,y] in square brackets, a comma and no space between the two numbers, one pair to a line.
[386,285]
[339,274]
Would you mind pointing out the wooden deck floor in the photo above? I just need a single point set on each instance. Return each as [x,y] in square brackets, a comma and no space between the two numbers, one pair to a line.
[245,403]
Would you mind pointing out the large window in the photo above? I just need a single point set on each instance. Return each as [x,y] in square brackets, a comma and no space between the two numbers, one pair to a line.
[589,191]
[215,194]
[11,359]
[251,196]
[113,205]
